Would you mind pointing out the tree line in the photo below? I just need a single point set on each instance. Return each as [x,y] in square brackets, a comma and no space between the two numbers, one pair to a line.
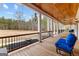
[31,24]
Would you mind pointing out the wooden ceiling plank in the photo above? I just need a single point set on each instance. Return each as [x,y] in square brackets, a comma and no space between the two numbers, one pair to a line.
[59,11]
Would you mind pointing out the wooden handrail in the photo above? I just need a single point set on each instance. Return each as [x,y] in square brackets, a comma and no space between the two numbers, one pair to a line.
[11,43]
[22,34]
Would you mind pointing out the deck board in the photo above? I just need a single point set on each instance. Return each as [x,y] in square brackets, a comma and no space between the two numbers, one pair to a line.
[45,48]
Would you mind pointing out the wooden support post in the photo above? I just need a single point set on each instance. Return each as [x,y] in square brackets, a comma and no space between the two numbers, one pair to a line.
[51,27]
[60,28]
[39,27]
[54,26]
[78,29]
[48,26]
[57,25]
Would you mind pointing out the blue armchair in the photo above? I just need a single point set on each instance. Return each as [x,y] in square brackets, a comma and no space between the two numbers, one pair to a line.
[66,45]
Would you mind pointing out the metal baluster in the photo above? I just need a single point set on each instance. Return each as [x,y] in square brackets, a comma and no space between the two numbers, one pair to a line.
[14,42]
[9,44]
[2,43]
[5,42]
[19,43]
[18,38]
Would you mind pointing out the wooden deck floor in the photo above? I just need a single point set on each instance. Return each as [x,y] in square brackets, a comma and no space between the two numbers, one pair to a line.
[46,48]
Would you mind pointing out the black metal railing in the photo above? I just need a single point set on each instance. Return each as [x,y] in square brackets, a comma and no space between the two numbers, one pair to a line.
[14,42]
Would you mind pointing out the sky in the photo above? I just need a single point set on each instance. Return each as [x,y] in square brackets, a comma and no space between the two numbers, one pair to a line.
[8,10]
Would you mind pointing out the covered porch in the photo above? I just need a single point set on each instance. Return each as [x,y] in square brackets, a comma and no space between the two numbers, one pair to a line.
[60,19]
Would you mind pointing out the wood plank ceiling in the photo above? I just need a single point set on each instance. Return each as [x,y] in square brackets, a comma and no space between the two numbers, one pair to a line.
[63,12]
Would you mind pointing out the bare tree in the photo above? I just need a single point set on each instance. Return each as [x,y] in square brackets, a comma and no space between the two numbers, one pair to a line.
[18,16]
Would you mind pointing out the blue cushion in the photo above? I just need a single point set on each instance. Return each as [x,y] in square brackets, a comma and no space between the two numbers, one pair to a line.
[61,43]
[65,47]
[70,40]
[66,44]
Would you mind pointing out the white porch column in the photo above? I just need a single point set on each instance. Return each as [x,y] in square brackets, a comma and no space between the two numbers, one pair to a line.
[48,26]
[51,27]
[63,26]
[60,27]
[39,27]
[54,28]
[77,23]
[77,31]
[57,28]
